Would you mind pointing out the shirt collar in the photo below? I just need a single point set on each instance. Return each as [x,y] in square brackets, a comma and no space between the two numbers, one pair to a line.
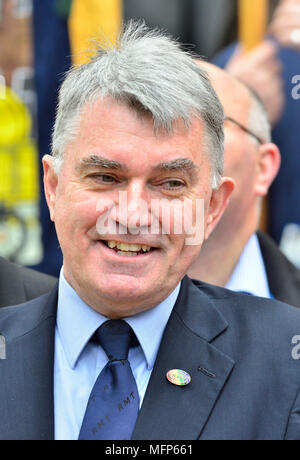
[77,322]
[149,326]
[250,274]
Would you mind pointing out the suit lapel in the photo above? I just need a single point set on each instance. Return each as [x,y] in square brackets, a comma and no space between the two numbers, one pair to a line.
[170,412]
[26,384]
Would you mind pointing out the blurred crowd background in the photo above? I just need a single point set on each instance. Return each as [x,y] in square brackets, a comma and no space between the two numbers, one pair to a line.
[41,39]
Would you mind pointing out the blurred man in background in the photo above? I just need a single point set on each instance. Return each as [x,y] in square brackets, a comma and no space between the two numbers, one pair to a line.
[235,256]
[272,70]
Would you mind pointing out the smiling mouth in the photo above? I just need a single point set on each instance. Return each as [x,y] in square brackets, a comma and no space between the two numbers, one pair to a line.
[128,250]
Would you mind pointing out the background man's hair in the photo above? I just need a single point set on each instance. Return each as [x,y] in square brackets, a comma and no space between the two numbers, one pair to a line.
[148,71]
[259,122]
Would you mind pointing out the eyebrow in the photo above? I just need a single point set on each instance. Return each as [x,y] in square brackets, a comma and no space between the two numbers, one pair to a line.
[98,161]
[181,164]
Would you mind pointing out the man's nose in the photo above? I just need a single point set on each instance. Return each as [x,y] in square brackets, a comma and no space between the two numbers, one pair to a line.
[134,206]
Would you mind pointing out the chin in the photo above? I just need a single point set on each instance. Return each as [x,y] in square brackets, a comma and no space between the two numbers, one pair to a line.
[124,289]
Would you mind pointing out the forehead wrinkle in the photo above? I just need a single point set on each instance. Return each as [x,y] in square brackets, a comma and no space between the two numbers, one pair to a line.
[101,162]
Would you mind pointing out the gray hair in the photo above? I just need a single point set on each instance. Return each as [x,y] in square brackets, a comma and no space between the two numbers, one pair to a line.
[258,118]
[148,71]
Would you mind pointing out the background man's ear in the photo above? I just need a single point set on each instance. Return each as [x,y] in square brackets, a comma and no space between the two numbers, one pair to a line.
[267,168]
[218,203]
[50,184]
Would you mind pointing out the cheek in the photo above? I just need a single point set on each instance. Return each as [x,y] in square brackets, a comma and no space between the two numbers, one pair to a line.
[188,225]
[75,215]
[188,256]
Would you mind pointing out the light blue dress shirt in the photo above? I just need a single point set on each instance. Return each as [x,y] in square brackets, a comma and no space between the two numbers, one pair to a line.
[77,362]
[250,272]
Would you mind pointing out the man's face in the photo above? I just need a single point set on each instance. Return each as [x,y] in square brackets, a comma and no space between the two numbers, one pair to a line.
[116,151]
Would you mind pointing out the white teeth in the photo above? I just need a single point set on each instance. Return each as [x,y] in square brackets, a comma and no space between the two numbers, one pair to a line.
[127,254]
[128,247]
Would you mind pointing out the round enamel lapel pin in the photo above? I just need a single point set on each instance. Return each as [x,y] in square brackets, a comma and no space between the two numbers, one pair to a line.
[178,377]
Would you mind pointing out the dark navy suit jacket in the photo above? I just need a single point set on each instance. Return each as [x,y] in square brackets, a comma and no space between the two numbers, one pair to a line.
[237,348]
[19,284]
[283,276]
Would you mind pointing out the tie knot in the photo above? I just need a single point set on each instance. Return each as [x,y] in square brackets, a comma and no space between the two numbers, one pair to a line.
[115,337]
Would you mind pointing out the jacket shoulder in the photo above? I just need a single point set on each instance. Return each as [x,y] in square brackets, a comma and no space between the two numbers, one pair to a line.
[36,283]
[245,307]
[19,284]
[18,320]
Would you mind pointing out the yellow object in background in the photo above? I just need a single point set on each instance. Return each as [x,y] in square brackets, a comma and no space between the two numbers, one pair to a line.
[19,183]
[253,20]
[18,155]
[15,120]
[93,19]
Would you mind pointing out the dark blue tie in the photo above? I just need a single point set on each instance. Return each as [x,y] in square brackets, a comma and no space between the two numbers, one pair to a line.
[113,405]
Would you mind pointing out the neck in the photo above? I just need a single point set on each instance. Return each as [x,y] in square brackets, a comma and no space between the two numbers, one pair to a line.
[219,257]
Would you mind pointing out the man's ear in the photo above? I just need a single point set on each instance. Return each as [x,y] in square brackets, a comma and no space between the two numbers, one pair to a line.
[50,184]
[268,166]
[218,203]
